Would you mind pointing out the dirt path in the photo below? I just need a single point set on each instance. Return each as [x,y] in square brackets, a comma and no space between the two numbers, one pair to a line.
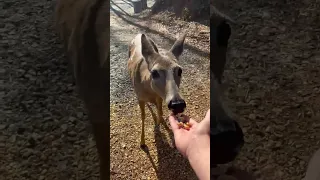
[128,161]
[125,25]
[44,130]
[273,76]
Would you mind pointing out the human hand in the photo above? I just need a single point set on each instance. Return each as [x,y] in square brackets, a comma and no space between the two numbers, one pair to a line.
[187,141]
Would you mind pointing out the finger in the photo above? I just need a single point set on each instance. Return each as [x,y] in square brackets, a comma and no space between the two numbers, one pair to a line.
[204,125]
[173,123]
[192,121]
[207,117]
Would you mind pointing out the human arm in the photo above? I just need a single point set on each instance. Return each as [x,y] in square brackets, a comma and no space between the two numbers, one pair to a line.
[194,144]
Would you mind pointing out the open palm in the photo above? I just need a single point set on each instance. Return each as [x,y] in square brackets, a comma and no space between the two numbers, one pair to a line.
[184,139]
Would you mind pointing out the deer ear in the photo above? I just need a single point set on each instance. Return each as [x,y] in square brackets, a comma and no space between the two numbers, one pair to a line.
[147,47]
[155,47]
[177,47]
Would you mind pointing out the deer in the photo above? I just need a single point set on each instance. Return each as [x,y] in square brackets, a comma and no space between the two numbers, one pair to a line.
[83,26]
[156,76]
[226,135]
[221,32]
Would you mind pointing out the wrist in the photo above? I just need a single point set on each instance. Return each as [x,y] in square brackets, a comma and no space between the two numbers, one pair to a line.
[201,143]
[198,155]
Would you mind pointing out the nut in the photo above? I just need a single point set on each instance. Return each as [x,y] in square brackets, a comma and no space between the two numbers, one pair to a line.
[182,122]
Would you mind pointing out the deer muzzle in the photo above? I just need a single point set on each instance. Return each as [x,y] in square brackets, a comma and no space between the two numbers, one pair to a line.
[177,106]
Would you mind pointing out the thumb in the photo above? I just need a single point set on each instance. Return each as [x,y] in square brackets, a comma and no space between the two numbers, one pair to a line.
[204,125]
[173,123]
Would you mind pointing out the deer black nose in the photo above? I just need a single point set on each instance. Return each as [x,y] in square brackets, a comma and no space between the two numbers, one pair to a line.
[177,106]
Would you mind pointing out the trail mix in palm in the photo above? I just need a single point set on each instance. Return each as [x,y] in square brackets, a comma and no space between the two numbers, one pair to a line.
[182,122]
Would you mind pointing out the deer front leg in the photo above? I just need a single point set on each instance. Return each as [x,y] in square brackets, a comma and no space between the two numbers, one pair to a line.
[160,114]
[143,117]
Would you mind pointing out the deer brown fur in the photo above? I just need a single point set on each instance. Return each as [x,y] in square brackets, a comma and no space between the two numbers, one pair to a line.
[83,26]
[156,76]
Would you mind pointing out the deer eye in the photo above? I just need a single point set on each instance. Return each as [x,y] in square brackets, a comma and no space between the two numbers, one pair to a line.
[179,72]
[155,74]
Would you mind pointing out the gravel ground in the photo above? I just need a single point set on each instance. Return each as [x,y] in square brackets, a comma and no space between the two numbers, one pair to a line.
[273,74]
[273,78]
[44,131]
[162,161]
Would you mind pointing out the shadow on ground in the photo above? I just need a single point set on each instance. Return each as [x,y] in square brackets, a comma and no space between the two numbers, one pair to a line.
[170,162]
[127,160]
[148,30]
